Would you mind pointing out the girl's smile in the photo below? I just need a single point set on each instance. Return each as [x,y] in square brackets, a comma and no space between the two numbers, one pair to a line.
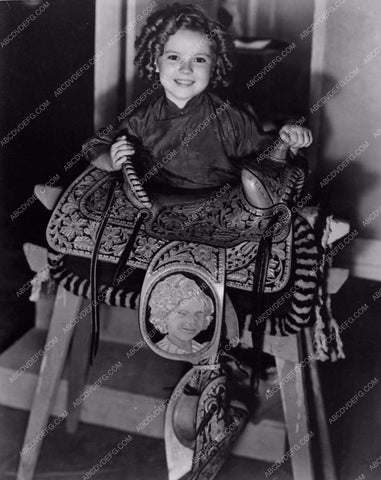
[186,65]
[184,83]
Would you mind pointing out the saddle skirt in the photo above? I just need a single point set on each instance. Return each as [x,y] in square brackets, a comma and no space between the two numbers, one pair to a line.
[223,218]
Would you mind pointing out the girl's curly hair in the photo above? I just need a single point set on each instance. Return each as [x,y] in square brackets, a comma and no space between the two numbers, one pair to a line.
[167,21]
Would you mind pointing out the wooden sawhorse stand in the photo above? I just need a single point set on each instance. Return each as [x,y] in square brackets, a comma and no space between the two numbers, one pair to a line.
[288,352]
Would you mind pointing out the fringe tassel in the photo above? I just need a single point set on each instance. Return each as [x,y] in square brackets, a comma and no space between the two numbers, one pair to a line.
[320,338]
[327,341]
[42,285]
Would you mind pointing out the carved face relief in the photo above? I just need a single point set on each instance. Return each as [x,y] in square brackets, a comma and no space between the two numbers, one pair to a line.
[186,322]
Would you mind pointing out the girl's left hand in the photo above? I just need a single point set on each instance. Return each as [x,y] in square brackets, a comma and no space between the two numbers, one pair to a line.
[295,137]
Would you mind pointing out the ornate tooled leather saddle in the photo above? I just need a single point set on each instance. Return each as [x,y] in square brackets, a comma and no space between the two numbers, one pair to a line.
[224,218]
[191,246]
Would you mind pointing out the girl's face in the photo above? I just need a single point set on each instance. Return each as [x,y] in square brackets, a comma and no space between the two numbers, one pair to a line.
[187,320]
[186,66]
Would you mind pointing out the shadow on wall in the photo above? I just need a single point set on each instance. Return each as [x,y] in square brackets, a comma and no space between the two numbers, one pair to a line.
[341,180]
[34,63]
[37,61]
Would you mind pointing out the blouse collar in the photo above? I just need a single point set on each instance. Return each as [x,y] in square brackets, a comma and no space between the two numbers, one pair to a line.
[171,110]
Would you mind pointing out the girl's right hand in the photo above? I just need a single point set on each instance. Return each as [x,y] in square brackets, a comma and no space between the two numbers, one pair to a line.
[119,152]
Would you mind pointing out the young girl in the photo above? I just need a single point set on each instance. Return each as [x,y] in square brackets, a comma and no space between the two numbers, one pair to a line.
[188,137]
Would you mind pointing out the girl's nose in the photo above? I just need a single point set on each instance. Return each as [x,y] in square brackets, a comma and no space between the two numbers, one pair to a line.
[186,66]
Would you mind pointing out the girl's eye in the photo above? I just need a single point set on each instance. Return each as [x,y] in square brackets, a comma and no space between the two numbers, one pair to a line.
[199,316]
[182,312]
[200,60]
[173,57]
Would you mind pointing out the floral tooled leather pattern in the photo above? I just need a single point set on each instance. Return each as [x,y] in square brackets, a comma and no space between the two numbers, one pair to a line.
[73,226]
[228,223]
[225,222]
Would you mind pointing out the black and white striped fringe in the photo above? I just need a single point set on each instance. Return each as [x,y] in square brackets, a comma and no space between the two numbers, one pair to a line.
[115,297]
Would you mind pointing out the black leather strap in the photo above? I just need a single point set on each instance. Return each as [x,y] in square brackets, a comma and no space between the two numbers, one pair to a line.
[260,274]
[141,217]
[94,301]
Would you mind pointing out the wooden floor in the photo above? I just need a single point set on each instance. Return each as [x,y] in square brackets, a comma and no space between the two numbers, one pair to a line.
[68,457]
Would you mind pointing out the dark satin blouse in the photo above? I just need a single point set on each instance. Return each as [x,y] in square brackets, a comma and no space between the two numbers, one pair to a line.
[199,146]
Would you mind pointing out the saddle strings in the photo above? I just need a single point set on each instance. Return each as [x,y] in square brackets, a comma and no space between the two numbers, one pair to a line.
[94,301]
[141,217]
[259,281]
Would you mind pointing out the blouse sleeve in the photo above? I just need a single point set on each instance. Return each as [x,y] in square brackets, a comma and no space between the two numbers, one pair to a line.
[248,136]
[101,142]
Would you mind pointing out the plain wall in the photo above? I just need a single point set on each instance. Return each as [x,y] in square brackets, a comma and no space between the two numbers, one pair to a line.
[285,20]
[352,115]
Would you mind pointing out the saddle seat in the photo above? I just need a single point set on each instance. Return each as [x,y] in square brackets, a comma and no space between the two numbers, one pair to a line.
[226,215]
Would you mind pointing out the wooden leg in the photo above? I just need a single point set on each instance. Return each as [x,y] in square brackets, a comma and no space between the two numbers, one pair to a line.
[79,361]
[65,309]
[296,415]
[328,464]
